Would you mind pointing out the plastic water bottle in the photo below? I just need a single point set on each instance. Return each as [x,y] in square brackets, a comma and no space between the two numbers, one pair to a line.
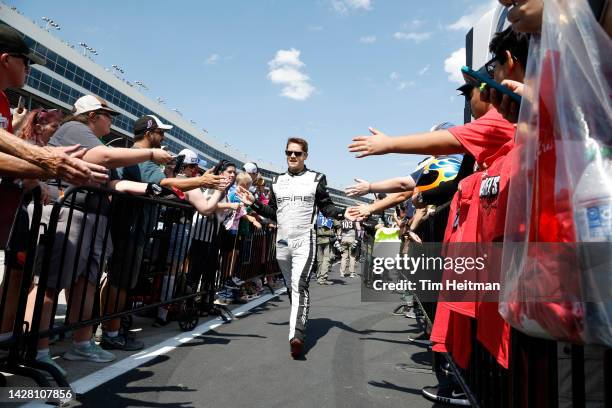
[592,203]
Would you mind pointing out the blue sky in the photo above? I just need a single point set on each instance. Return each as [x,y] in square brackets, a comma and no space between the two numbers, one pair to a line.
[256,72]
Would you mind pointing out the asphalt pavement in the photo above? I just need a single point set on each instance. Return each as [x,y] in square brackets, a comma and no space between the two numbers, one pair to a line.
[356,356]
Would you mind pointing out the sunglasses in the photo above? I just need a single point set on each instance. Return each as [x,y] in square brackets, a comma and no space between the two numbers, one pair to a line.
[290,153]
[160,132]
[43,112]
[105,113]
[490,66]
[26,60]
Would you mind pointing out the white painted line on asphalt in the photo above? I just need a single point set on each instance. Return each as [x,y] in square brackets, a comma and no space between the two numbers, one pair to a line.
[95,379]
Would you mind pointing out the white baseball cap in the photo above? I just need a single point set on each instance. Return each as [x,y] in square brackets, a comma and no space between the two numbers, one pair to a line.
[90,103]
[250,167]
[190,156]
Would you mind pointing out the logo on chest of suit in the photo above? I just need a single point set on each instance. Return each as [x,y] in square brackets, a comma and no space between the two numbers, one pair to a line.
[294,198]
[489,187]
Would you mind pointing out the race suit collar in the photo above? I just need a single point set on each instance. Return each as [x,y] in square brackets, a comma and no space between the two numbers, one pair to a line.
[304,170]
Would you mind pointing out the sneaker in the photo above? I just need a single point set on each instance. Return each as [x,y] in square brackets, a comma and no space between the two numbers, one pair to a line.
[92,352]
[229,284]
[421,338]
[236,281]
[297,346]
[446,369]
[447,394]
[112,343]
[353,275]
[159,322]
[120,342]
[132,344]
[410,314]
[48,360]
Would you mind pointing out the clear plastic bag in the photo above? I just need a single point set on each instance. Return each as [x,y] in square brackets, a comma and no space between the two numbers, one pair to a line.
[557,260]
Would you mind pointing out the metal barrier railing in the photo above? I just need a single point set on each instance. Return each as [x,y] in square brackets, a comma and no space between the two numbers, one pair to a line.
[14,288]
[532,377]
[116,254]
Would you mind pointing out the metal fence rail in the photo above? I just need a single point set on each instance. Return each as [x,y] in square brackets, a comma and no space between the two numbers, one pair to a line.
[532,378]
[14,288]
[116,254]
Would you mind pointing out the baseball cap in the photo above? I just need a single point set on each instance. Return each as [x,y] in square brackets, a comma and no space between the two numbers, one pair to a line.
[90,103]
[250,167]
[470,82]
[442,126]
[203,164]
[11,42]
[147,123]
[190,157]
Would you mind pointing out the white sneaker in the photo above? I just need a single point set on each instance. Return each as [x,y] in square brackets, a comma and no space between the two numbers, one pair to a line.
[92,352]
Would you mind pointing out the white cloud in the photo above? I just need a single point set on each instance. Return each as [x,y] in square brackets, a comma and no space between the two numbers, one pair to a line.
[412,25]
[412,36]
[399,84]
[424,70]
[343,6]
[464,23]
[212,59]
[368,39]
[285,70]
[453,64]
[403,85]
[286,58]
[286,75]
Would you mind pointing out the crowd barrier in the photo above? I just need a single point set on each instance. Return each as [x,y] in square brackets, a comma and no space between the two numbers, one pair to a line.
[541,373]
[115,255]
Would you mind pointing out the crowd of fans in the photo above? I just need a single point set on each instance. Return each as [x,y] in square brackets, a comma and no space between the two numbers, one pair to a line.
[52,151]
[471,167]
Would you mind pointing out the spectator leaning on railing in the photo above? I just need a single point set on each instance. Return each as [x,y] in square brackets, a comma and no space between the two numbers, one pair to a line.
[91,120]
[203,253]
[131,224]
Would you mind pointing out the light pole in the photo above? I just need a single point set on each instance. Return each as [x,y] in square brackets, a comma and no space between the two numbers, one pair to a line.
[50,23]
[140,84]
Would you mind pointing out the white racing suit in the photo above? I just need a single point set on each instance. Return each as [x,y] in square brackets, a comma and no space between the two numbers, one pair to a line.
[295,200]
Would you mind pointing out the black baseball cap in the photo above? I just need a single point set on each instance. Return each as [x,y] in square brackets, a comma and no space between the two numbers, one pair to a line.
[466,89]
[147,123]
[11,42]
[471,83]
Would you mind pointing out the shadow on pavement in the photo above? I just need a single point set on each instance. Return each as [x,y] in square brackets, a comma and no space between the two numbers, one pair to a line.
[108,394]
[422,357]
[317,328]
[406,342]
[213,337]
[391,386]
